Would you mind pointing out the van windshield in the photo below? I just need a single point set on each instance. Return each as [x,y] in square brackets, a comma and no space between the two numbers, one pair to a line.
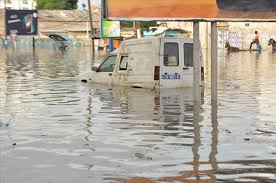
[109,64]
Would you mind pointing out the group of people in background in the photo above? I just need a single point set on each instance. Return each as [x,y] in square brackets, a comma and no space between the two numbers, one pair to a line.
[8,42]
[256,41]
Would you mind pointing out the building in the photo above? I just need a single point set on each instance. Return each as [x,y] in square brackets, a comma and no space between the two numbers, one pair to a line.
[70,23]
[18,4]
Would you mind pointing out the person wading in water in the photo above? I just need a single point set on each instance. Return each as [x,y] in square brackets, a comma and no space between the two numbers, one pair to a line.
[256,41]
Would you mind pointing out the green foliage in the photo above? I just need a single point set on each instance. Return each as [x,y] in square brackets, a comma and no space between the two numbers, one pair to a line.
[57,4]
[71,4]
[146,25]
[126,24]
[143,25]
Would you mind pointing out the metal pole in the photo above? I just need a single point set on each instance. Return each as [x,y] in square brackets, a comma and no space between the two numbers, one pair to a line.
[135,28]
[87,30]
[111,46]
[6,41]
[197,65]
[33,43]
[91,26]
[33,36]
[214,57]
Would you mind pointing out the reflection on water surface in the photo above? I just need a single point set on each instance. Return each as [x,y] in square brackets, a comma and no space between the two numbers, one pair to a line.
[67,131]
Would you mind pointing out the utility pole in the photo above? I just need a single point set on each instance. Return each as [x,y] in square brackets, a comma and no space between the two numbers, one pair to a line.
[91,26]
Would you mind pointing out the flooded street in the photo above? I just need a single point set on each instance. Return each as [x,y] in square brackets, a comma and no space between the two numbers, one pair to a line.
[55,129]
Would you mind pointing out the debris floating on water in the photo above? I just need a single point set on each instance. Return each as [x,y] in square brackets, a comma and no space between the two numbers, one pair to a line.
[4,124]
[228,131]
[84,80]
[233,85]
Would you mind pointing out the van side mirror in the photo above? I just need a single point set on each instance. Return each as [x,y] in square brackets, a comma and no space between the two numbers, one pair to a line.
[95,68]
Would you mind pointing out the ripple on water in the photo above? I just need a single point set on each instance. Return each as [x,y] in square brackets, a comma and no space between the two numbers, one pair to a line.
[95,133]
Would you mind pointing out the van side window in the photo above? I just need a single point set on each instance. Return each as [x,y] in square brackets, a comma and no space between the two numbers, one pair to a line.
[171,54]
[123,63]
[108,65]
[188,54]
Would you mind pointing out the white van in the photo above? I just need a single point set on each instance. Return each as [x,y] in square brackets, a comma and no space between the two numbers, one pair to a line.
[158,62]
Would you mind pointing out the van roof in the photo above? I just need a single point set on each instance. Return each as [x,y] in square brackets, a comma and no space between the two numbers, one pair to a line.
[152,39]
[147,40]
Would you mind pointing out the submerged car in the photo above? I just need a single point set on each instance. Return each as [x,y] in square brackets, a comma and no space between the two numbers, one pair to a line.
[154,63]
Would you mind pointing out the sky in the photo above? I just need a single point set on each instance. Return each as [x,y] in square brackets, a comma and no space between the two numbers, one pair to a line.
[85,2]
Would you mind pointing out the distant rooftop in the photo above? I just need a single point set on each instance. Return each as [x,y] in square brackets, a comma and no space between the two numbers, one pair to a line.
[66,16]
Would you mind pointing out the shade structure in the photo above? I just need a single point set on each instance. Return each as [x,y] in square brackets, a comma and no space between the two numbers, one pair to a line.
[209,10]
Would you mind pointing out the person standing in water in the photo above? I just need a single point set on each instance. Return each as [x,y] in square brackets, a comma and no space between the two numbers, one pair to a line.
[256,41]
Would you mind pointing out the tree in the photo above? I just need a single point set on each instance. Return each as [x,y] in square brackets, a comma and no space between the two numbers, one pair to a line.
[146,25]
[57,4]
[143,25]
[71,4]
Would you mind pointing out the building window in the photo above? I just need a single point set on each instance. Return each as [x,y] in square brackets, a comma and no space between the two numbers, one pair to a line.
[171,54]
[25,1]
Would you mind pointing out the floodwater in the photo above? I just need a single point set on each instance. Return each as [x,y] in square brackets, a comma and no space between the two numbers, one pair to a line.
[55,129]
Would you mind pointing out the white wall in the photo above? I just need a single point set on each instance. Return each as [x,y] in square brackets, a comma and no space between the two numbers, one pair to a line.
[80,2]
[18,4]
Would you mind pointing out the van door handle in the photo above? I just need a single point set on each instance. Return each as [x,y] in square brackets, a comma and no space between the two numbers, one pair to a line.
[186,68]
[110,74]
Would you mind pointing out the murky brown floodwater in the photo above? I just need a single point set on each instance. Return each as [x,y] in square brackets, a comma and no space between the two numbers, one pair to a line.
[67,131]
